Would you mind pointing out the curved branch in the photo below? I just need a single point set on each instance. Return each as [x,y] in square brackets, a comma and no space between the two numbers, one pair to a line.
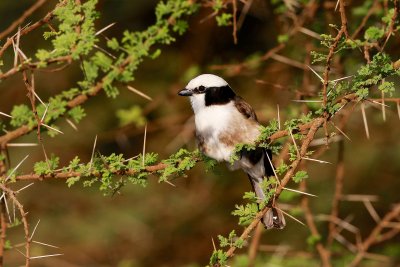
[20,207]
[34,26]
[21,19]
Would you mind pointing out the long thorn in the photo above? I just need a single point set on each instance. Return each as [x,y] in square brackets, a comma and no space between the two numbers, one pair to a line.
[7,210]
[290,216]
[294,143]
[213,243]
[23,188]
[139,93]
[337,128]
[300,192]
[383,107]
[364,119]
[372,211]
[4,114]
[72,124]
[279,117]
[144,144]
[273,168]
[319,76]
[306,101]
[343,78]
[44,244]
[94,147]
[316,160]
[45,256]
[105,28]
[34,229]
[19,164]
[52,128]
[21,144]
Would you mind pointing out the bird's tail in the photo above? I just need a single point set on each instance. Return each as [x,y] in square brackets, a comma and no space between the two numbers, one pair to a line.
[273,218]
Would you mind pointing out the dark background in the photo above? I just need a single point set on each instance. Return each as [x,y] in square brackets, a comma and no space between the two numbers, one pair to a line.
[162,225]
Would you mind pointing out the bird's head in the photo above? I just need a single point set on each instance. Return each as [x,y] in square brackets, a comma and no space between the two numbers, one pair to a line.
[206,90]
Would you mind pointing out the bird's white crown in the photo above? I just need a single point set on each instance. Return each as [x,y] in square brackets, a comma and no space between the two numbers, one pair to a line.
[206,80]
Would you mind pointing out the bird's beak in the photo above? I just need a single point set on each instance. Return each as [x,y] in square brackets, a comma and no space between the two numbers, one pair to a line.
[185,92]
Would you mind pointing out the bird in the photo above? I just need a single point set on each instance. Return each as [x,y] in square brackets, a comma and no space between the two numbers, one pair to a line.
[224,120]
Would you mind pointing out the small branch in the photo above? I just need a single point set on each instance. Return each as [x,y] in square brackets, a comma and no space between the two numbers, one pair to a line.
[374,235]
[391,29]
[3,222]
[322,251]
[365,19]
[234,33]
[34,26]
[255,242]
[338,192]
[21,19]
[11,196]
[315,125]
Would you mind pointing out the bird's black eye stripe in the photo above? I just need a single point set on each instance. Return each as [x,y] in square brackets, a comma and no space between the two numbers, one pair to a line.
[199,90]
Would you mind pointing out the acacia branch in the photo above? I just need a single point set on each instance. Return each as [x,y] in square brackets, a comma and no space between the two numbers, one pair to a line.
[374,235]
[21,19]
[44,20]
[11,194]
[322,251]
[315,125]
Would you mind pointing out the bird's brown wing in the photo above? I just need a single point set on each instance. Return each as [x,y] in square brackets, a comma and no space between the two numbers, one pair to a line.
[244,108]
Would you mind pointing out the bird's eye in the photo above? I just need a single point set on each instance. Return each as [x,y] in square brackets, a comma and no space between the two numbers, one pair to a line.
[201,88]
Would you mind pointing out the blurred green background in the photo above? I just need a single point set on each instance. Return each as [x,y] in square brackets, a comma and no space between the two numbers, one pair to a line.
[162,225]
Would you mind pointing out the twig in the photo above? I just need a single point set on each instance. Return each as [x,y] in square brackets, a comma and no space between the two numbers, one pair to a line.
[234,32]
[364,119]
[21,19]
[374,235]
[34,26]
[316,124]
[391,29]
[337,193]
[11,195]
[255,242]
[322,251]
[365,19]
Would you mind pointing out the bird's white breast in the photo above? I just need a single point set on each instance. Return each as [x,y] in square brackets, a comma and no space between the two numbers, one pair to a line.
[217,121]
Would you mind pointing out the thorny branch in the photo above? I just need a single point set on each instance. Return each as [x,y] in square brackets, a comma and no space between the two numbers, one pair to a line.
[21,19]
[316,124]
[374,235]
[32,27]
[11,194]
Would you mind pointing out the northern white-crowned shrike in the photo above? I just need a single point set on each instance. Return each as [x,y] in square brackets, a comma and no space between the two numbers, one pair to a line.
[224,120]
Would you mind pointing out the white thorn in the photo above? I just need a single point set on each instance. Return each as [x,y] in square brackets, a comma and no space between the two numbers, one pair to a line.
[136,91]
[319,76]
[34,229]
[94,147]
[105,28]
[317,160]
[300,192]
[19,164]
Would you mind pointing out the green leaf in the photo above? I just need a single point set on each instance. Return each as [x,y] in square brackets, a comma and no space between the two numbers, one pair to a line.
[131,115]
[21,115]
[283,38]
[373,33]
[77,113]
[299,176]
[72,180]
[224,19]
[387,87]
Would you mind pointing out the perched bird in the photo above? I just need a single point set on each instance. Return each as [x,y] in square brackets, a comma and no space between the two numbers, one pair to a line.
[224,120]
